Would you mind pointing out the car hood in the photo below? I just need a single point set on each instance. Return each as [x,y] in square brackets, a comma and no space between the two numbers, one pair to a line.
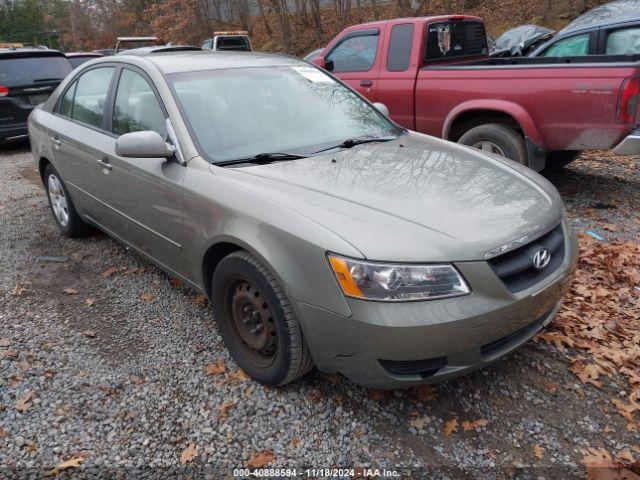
[416,198]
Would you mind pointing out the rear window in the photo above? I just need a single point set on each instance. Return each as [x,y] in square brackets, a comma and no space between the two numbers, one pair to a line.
[77,61]
[19,71]
[232,43]
[455,39]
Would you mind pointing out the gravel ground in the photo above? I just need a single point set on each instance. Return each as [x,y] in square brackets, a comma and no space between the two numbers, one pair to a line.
[113,372]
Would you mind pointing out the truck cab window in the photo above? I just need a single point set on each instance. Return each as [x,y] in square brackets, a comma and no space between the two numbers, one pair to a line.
[625,41]
[400,47]
[355,54]
[575,46]
[455,39]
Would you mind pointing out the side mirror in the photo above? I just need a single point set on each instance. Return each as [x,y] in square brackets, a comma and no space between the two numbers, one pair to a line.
[145,144]
[382,108]
[328,65]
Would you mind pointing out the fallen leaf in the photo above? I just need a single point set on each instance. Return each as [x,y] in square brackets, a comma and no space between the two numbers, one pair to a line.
[294,442]
[24,402]
[147,297]
[70,291]
[596,457]
[109,271]
[239,375]
[23,365]
[538,452]
[9,353]
[197,347]
[188,454]
[425,393]
[19,290]
[73,462]
[213,369]
[200,299]
[89,302]
[419,423]
[3,433]
[137,380]
[466,426]
[5,342]
[225,408]
[32,447]
[88,333]
[261,459]
[450,426]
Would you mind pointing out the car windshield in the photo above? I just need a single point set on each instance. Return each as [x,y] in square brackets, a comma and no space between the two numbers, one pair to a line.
[240,113]
[19,71]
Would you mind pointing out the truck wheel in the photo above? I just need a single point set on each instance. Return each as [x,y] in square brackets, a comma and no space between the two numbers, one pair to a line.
[67,219]
[256,321]
[558,159]
[498,139]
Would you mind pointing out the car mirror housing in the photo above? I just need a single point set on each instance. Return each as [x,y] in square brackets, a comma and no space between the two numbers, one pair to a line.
[382,108]
[145,144]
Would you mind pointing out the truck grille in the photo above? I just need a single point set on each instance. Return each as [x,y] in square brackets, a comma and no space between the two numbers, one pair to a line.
[516,268]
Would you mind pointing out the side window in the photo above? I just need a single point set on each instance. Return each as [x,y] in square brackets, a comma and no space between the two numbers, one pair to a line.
[91,96]
[136,107]
[400,47]
[625,41]
[208,44]
[66,104]
[575,46]
[355,54]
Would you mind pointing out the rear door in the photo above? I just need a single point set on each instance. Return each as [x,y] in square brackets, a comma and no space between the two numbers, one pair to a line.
[355,60]
[26,80]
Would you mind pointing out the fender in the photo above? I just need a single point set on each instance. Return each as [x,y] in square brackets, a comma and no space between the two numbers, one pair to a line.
[502,106]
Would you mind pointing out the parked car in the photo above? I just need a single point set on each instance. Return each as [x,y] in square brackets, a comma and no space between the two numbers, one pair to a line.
[126,43]
[27,78]
[610,29]
[311,56]
[233,41]
[434,75]
[106,52]
[321,231]
[520,41]
[78,58]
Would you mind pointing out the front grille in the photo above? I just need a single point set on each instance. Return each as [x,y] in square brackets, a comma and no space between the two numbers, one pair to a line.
[506,343]
[516,268]
[424,368]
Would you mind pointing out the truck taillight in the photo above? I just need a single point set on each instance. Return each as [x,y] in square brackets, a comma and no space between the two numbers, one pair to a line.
[4,91]
[629,100]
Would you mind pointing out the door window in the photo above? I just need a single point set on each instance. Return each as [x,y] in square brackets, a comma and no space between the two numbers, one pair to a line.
[136,107]
[66,104]
[625,41]
[90,96]
[400,47]
[355,54]
[569,47]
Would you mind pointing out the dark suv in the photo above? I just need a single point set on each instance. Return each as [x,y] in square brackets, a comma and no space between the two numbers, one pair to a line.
[27,78]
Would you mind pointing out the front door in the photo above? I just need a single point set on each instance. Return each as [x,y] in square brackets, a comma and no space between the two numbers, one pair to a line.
[144,195]
[354,61]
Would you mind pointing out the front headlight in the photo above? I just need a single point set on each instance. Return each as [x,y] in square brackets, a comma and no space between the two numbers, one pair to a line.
[397,282]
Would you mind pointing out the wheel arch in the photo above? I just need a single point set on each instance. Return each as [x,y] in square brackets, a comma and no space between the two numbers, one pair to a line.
[42,166]
[477,112]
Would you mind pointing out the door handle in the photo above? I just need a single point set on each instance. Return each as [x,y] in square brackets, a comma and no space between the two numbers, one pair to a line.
[56,142]
[366,83]
[104,163]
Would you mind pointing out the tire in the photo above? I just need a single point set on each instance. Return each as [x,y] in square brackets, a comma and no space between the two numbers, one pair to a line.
[507,142]
[559,159]
[62,208]
[274,354]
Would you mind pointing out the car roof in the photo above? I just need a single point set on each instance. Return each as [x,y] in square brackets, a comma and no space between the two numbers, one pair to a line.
[607,14]
[169,62]
[29,52]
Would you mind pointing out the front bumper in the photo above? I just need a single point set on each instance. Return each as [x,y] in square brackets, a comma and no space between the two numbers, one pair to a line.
[382,341]
[630,145]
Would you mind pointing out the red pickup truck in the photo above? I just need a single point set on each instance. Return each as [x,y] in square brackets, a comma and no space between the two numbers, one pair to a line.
[434,75]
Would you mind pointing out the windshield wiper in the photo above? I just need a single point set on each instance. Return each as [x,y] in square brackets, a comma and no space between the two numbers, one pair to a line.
[47,80]
[352,142]
[263,158]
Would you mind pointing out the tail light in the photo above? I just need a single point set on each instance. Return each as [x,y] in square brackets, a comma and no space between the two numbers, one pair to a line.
[4,91]
[628,105]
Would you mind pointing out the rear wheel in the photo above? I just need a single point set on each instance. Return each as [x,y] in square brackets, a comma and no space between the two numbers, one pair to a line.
[256,321]
[64,213]
[497,139]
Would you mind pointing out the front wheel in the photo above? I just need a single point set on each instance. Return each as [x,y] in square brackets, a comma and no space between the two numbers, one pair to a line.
[497,139]
[256,321]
